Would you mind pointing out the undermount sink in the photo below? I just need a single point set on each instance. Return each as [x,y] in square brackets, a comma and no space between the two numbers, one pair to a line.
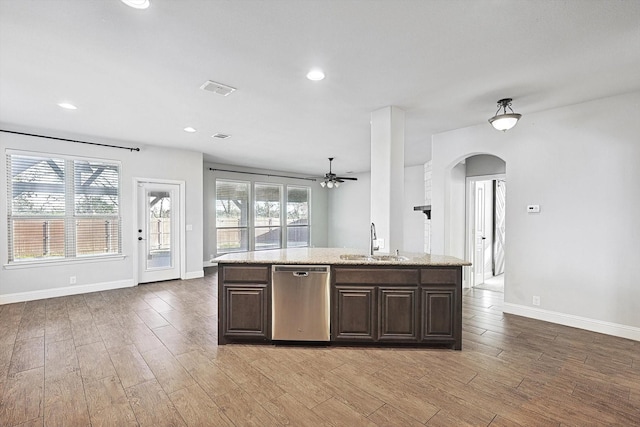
[358,257]
[355,257]
[390,258]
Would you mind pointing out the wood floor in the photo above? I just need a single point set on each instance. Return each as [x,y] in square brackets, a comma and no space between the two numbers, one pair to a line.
[148,356]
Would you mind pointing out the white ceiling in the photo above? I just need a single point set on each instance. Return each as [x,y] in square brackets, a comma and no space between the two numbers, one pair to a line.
[135,75]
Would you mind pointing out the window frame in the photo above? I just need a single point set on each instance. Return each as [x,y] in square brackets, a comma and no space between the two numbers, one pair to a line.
[247,227]
[70,217]
[255,227]
[251,214]
[287,226]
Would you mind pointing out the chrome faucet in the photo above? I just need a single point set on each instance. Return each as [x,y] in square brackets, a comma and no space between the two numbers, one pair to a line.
[374,237]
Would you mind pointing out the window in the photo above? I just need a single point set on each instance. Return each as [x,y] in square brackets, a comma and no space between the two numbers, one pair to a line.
[297,216]
[277,218]
[62,208]
[267,217]
[232,211]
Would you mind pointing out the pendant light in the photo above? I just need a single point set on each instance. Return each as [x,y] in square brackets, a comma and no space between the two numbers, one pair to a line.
[137,4]
[504,121]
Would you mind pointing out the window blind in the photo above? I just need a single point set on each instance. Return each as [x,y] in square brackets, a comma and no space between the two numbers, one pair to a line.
[232,216]
[277,217]
[266,218]
[62,208]
[297,216]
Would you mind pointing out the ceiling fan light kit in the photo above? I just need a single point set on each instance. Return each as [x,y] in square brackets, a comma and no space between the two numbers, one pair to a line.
[331,180]
[504,121]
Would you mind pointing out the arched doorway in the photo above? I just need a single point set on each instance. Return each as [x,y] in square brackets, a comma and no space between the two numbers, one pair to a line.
[480,199]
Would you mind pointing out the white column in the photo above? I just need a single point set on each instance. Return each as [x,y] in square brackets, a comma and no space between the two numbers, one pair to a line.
[387,175]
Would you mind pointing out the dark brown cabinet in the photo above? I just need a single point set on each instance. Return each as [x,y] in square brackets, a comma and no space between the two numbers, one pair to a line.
[441,306]
[244,312]
[391,304]
[375,304]
[397,319]
[437,313]
[353,315]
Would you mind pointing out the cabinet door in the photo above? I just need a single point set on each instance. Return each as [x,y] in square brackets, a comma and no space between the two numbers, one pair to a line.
[397,319]
[438,313]
[354,314]
[245,311]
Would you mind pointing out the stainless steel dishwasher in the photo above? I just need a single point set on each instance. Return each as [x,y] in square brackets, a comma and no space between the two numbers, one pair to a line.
[300,296]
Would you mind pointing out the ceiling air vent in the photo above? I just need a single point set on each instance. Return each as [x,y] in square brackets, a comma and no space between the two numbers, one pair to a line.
[220,136]
[218,88]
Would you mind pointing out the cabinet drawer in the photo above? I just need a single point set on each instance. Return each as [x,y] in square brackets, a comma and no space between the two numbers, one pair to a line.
[376,276]
[244,274]
[439,276]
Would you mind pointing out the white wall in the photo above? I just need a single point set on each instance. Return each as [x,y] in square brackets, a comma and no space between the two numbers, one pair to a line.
[580,254]
[318,203]
[456,190]
[387,177]
[349,213]
[413,222]
[151,162]
[484,164]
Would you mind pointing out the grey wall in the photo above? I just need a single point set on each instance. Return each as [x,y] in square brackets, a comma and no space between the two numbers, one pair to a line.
[580,254]
[318,213]
[150,162]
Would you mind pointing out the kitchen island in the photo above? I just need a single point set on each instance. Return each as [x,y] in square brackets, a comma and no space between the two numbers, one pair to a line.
[404,299]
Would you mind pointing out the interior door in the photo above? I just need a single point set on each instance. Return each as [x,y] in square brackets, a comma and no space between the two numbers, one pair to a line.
[158,232]
[479,234]
[500,227]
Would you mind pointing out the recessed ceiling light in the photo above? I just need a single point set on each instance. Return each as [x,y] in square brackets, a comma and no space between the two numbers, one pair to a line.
[315,75]
[189,129]
[220,136]
[137,4]
[67,106]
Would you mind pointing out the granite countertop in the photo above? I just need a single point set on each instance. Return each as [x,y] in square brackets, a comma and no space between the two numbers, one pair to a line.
[331,256]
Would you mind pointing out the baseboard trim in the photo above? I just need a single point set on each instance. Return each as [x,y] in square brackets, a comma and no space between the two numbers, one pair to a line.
[594,325]
[194,274]
[65,291]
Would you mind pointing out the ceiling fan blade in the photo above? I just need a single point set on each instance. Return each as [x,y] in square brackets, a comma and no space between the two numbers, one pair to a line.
[346,177]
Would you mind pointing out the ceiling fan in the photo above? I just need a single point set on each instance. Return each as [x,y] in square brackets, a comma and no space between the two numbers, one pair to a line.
[330,179]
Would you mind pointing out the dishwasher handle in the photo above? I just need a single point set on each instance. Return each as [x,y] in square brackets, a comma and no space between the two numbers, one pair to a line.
[301,273]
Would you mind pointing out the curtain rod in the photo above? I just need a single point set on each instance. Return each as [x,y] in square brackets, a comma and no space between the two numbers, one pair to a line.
[263,174]
[70,140]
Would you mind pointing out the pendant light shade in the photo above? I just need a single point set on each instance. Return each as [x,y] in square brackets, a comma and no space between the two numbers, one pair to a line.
[504,121]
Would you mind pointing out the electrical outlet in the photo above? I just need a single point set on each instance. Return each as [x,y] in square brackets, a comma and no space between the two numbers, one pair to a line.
[72,280]
[536,300]
[380,243]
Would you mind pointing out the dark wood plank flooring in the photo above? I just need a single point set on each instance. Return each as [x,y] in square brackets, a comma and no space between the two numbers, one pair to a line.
[148,356]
